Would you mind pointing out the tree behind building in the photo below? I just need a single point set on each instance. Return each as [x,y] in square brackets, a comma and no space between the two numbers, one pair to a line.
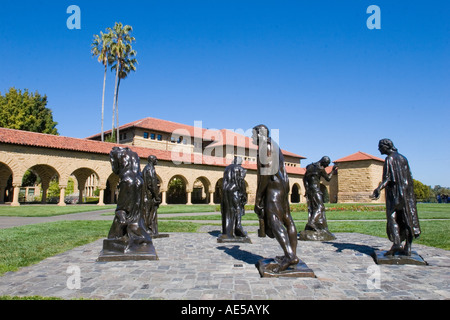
[26,111]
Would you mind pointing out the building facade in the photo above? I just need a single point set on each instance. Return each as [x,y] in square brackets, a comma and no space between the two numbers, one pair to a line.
[191,162]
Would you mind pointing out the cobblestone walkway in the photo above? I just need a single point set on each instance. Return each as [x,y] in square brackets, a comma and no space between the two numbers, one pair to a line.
[194,266]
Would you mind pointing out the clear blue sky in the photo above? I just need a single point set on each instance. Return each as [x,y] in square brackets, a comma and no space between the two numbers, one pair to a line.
[311,69]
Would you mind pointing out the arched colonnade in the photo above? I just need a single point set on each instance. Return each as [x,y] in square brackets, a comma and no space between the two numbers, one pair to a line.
[199,183]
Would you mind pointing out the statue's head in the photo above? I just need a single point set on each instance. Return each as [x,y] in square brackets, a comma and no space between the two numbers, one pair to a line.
[152,159]
[386,146]
[123,159]
[325,161]
[120,158]
[260,132]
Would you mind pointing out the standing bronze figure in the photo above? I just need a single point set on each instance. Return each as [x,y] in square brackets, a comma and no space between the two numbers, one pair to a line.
[317,227]
[272,204]
[152,197]
[128,238]
[234,198]
[401,210]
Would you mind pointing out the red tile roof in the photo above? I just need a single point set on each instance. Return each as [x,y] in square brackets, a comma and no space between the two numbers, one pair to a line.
[158,125]
[358,156]
[32,139]
[219,137]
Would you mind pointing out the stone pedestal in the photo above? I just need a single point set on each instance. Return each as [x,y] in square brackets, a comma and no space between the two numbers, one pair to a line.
[223,238]
[300,270]
[159,235]
[117,250]
[312,235]
[380,258]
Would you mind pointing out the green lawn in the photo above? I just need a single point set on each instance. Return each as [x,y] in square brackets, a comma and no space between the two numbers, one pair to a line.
[54,210]
[48,210]
[338,212]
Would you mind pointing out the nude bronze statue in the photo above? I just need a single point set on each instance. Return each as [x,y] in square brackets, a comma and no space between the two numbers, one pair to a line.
[272,202]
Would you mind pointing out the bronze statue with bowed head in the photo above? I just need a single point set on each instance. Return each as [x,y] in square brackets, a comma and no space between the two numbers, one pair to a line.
[152,198]
[232,207]
[317,226]
[128,238]
[401,210]
[272,202]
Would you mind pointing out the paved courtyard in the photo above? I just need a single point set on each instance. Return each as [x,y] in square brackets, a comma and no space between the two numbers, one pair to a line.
[193,266]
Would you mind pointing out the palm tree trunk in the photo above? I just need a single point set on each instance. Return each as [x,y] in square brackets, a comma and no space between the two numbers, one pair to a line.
[117,110]
[114,103]
[103,103]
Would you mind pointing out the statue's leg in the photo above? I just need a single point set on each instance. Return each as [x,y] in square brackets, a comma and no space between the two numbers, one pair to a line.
[118,226]
[238,229]
[393,231]
[153,220]
[316,208]
[228,221]
[285,240]
[292,232]
[408,243]
[320,221]
[408,234]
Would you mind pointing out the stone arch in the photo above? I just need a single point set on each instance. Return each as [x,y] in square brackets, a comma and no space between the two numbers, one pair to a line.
[6,189]
[111,190]
[218,191]
[177,190]
[17,168]
[295,193]
[201,190]
[82,175]
[46,173]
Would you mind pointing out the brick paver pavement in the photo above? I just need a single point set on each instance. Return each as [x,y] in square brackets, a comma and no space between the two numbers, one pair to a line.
[194,266]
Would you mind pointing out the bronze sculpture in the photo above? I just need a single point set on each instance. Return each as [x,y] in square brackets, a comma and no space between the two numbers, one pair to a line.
[317,227]
[401,210]
[152,197]
[272,207]
[128,238]
[234,198]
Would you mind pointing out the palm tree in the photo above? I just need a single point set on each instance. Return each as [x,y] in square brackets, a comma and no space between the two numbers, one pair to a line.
[124,65]
[122,59]
[101,47]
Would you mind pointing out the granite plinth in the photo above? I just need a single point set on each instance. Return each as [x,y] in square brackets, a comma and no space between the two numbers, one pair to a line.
[380,257]
[118,250]
[225,239]
[313,235]
[266,270]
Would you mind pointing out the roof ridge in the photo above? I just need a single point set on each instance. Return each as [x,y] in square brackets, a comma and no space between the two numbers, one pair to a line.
[356,157]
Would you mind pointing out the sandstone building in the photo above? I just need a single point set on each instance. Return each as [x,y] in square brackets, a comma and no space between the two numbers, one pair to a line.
[190,158]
